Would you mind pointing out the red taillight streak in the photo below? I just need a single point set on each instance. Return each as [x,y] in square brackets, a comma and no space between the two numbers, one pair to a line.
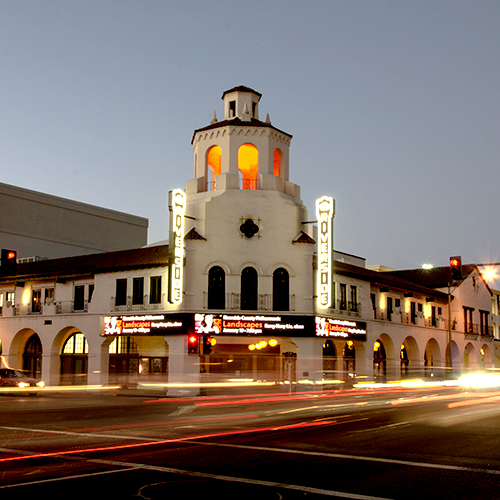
[311,394]
[169,422]
[166,441]
[471,402]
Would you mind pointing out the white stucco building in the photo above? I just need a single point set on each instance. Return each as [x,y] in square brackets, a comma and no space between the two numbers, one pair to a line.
[238,292]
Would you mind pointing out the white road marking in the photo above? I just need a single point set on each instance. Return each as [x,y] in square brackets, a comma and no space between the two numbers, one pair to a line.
[131,466]
[352,457]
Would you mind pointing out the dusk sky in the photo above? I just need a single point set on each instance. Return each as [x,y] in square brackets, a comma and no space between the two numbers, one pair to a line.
[394,108]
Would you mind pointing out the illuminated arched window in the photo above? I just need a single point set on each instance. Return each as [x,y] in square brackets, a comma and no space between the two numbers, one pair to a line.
[123,345]
[249,289]
[248,165]
[74,360]
[281,290]
[216,288]
[277,162]
[76,344]
[214,165]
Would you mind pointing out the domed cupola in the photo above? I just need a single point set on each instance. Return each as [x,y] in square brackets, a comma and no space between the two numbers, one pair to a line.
[241,151]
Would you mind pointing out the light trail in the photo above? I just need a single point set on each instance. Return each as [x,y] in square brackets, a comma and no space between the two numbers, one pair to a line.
[165,441]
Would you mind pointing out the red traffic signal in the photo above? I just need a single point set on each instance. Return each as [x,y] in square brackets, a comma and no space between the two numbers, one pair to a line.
[456,268]
[193,344]
[9,262]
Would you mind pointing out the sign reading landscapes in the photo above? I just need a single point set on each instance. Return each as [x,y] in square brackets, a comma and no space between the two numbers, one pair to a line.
[234,324]
[148,324]
[254,324]
[340,328]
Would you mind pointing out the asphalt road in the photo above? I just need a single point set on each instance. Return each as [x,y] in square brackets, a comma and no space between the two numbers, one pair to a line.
[391,443]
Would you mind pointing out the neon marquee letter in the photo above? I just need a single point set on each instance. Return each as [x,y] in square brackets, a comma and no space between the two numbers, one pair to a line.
[325,210]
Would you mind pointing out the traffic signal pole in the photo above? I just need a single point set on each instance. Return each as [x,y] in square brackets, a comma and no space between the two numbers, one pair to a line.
[450,343]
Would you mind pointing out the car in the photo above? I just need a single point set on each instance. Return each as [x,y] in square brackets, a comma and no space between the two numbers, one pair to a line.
[16,378]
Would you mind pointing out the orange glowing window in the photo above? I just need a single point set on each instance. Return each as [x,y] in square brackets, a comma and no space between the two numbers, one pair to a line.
[214,162]
[248,164]
[277,156]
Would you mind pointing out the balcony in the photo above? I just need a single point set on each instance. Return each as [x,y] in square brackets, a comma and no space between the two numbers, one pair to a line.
[70,306]
[264,302]
[342,307]
[148,303]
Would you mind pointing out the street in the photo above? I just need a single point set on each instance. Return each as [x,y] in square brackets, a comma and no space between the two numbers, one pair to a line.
[387,442]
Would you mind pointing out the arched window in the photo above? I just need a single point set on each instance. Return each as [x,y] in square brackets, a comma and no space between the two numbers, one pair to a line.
[216,288]
[281,290]
[277,162]
[214,164]
[123,345]
[249,289]
[32,357]
[74,360]
[248,165]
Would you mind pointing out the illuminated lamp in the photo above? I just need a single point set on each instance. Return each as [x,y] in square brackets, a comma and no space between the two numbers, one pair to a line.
[258,346]
[273,342]
[376,346]
[350,343]
[263,344]
[251,347]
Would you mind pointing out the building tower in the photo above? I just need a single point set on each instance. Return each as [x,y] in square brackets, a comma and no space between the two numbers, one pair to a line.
[245,239]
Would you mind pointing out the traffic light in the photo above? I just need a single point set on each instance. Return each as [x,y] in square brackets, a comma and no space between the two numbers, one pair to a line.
[193,345]
[9,262]
[208,342]
[456,268]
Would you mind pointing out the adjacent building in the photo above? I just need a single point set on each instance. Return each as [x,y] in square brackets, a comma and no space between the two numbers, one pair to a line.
[41,226]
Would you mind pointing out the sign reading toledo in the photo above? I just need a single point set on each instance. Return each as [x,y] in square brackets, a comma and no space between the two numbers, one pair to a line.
[325,210]
[177,206]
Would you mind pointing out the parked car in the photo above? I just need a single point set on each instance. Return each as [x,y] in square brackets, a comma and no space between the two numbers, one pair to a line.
[16,378]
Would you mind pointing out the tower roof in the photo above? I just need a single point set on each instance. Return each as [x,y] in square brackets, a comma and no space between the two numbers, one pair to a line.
[241,88]
[237,122]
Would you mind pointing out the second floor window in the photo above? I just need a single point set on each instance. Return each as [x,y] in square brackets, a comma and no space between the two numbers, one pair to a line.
[155,290]
[249,289]
[36,301]
[121,292]
[468,320]
[483,317]
[79,303]
[216,288]
[343,296]
[354,298]
[138,291]
[281,290]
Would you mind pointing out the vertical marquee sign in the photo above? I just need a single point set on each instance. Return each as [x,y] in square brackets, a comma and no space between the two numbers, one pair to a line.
[325,210]
[177,207]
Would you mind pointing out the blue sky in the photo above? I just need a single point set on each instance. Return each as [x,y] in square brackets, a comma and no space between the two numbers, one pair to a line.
[394,108]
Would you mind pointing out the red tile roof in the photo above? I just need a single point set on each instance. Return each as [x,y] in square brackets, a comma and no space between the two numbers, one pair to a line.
[237,122]
[386,279]
[437,277]
[84,265]
[242,88]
